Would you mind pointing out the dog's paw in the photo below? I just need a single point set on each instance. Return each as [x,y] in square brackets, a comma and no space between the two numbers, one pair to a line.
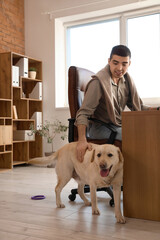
[95,211]
[60,205]
[121,219]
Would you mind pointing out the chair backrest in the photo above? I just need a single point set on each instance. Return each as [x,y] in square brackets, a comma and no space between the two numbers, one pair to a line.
[78,79]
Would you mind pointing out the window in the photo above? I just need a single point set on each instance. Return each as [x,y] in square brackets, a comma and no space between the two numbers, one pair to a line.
[144,43]
[89,45]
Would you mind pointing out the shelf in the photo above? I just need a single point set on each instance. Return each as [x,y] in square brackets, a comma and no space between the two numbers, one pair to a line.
[35,100]
[6,118]
[31,99]
[16,87]
[30,79]
[22,141]
[23,120]
[18,162]
[4,170]
[5,152]
[5,100]
[26,99]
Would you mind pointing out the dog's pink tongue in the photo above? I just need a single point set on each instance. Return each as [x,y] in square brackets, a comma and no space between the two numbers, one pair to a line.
[104,173]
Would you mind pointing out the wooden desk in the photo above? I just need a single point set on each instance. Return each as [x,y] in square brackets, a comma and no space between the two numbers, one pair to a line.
[141,151]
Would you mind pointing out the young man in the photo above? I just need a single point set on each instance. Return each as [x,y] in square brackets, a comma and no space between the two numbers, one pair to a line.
[106,96]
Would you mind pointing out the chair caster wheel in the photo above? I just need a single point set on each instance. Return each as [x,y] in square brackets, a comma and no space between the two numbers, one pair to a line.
[72,197]
[111,202]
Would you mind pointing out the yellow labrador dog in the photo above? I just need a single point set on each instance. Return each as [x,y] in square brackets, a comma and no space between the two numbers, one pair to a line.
[102,167]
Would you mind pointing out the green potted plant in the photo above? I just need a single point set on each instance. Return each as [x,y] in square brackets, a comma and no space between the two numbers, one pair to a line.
[50,130]
[32,72]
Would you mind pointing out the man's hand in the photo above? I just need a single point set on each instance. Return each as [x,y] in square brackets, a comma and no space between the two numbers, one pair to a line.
[82,146]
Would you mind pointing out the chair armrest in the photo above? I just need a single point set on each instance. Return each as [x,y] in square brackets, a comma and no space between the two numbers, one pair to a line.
[113,134]
[71,130]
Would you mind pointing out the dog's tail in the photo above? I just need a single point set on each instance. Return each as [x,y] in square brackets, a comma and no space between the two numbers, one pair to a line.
[44,161]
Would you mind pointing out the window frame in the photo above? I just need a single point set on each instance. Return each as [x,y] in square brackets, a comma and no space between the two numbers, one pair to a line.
[64,23]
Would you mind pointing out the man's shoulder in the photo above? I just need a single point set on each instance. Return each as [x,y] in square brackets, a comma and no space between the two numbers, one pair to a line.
[94,83]
[103,73]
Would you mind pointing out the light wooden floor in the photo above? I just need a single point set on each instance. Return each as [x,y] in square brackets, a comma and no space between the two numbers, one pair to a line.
[24,219]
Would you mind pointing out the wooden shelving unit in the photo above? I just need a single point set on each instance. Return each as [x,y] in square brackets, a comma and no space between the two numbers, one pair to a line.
[20,151]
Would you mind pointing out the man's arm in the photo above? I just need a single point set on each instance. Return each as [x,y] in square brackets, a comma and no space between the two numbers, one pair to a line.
[82,145]
[87,109]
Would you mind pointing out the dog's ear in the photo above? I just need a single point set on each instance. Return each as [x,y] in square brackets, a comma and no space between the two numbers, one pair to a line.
[121,159]
[93,155]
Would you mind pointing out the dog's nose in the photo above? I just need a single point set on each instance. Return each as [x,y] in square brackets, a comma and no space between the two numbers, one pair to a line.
[103,165]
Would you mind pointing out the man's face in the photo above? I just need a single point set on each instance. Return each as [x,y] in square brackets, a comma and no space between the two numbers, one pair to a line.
[118,66]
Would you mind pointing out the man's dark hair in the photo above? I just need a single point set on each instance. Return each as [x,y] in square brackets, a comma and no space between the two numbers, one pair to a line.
[120,50]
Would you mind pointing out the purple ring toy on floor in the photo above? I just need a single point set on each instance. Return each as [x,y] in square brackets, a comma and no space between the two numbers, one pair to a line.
[38,197]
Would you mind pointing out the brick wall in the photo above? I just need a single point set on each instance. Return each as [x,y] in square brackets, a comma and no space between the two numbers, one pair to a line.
[12,26]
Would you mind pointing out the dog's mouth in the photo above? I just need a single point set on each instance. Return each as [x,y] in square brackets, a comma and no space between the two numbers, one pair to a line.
[105,172]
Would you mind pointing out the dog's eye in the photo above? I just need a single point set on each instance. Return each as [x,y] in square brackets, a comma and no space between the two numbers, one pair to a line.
[110,154]
[99,154]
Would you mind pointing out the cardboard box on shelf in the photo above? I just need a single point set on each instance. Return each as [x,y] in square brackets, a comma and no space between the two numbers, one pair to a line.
[23,135]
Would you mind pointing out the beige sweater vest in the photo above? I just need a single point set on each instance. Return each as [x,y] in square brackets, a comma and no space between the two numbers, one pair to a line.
[105,80]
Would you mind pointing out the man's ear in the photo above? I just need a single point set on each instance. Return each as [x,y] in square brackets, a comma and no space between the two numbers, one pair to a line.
[121,159]
[93,155]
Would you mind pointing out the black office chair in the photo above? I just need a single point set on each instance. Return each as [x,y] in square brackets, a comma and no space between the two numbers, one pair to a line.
[77,81]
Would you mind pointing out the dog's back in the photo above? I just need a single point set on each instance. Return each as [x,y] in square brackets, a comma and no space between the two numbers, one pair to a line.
[67,150]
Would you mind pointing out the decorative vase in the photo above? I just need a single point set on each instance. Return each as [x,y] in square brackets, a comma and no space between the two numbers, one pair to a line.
[32,74]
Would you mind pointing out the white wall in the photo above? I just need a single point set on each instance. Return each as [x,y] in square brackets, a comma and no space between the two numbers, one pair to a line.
[40,40]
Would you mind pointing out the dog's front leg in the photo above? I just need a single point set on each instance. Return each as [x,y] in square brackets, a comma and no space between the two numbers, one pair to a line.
[95,210]
[117,200]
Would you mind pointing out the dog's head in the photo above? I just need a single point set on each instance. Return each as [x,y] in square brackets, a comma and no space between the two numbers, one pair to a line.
[108,158]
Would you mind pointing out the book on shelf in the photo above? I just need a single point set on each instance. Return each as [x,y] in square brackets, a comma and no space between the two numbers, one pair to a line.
[15,115]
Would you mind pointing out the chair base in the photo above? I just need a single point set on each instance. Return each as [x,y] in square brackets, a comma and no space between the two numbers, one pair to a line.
[72,196]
